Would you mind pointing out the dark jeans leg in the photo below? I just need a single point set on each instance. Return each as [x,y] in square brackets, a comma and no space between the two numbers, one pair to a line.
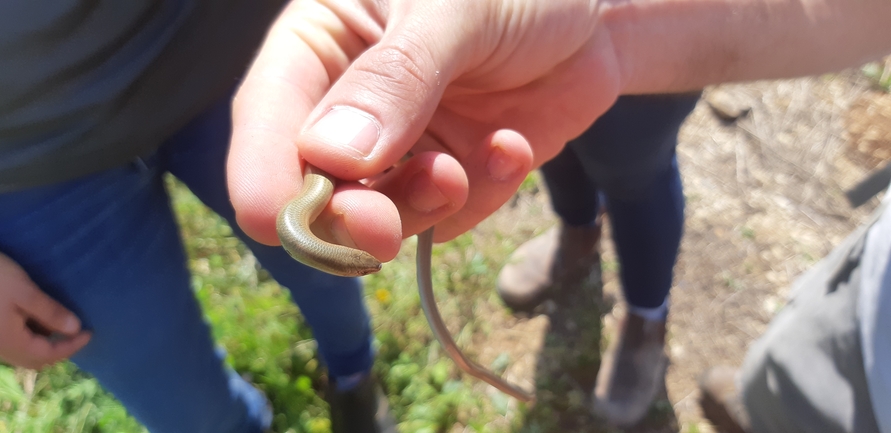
[107,247]
[628,155]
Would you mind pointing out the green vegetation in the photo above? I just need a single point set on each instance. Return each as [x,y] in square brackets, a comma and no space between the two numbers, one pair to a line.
[880,73]
[267,341]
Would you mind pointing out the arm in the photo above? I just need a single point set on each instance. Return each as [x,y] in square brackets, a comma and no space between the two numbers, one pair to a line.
[675,45]
[475,93]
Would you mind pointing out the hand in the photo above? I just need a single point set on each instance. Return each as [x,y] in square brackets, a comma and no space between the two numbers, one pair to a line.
[35,330]
[476,92]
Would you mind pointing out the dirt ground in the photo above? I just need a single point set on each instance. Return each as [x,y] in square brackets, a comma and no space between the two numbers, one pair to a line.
[765,201]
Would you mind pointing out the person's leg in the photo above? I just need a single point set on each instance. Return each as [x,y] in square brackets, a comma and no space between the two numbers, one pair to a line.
[629,154]
[805,374]
[107,247]
[566,256]
[333,306]
[574,197]
[647,233]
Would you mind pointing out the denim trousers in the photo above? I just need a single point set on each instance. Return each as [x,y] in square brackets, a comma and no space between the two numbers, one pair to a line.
[626,161]
[108,248]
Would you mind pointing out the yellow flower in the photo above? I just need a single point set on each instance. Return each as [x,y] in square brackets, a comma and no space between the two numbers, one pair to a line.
[383,296]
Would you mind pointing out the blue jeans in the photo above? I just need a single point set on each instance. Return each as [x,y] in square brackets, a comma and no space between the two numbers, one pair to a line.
[107,247]
[628,157]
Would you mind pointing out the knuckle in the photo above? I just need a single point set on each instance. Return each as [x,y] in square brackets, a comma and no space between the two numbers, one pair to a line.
[398,69]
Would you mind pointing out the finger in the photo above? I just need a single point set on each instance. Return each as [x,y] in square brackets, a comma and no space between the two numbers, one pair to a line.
[426,189]
[40,351]
[306,49]
[33,303]
[495,170]
[381,105]
[361,218]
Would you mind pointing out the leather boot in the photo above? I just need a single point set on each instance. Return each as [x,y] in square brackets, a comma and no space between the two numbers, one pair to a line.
[562,257]
[362,409]
[632,372]
[720,401]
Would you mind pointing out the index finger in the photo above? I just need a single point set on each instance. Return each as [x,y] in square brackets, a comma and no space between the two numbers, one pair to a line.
[305,51]
[41,351]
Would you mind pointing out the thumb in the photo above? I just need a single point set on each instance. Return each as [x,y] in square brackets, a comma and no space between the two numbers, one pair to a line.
[380,106]
[48,315]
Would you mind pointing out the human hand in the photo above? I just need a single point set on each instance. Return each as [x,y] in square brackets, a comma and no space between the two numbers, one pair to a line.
[477,93]
[35,330]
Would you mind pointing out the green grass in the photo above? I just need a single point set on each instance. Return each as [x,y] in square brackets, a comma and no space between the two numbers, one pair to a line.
[267,341]
[59,399]
[879,73]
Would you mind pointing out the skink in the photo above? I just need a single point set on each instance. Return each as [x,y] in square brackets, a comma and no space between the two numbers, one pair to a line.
[298,240]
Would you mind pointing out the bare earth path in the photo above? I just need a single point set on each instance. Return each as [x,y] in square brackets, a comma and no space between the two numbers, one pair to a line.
[764,202]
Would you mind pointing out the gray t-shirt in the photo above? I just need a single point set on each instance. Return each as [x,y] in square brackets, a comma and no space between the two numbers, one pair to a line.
[87,85]
[874,313]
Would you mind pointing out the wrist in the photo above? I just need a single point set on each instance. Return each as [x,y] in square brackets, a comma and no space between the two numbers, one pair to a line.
[667,46]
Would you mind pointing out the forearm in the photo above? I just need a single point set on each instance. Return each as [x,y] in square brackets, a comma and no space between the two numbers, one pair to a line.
[677,45]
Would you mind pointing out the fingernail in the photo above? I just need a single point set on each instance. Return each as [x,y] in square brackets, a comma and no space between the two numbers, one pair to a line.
[71,325]
[348,128]
[501,166]
[423,195]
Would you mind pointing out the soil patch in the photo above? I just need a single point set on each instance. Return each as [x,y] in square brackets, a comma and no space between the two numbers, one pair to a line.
[765,201]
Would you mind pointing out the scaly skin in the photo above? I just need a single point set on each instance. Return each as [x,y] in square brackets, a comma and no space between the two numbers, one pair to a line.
[299,241]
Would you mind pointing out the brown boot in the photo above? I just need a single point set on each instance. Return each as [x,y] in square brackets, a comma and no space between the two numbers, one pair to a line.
[363,409]
[563,256]
[720,401]
[632,372]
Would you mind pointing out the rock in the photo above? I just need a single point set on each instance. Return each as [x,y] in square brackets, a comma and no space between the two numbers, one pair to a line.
[727,105]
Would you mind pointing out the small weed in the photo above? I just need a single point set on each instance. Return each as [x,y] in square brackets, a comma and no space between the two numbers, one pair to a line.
[609,266]
[530,183]
[692,428]
[879,73]
[730,281]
